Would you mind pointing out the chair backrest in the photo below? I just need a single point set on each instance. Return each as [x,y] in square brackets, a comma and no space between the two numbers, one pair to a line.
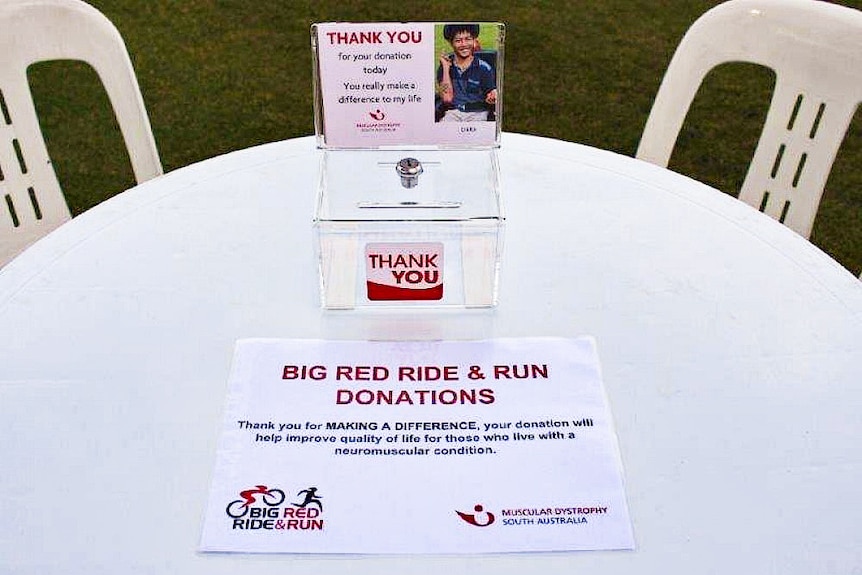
[31,201]
[815,51]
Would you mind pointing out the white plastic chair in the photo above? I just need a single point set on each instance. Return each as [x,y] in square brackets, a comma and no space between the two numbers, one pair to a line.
[815,50]
[31,201]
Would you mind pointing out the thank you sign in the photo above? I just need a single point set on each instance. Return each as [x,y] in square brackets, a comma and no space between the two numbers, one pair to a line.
[416,447]
[402,83]
[404,271]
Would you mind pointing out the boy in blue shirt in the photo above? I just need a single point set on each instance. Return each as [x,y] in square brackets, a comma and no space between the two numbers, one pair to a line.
[468,84]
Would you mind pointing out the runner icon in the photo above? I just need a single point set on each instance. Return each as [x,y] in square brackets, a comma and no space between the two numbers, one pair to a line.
[311,498]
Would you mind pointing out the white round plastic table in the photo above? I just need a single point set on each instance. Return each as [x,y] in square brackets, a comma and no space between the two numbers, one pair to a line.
[731,351]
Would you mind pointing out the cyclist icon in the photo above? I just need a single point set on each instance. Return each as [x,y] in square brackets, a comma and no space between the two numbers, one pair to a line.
[271,497]
[311,498]
[248,494]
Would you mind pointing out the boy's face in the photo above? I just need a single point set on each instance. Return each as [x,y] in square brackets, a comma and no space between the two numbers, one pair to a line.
[463,44]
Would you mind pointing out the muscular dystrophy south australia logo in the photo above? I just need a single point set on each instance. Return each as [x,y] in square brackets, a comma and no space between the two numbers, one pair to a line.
[536,517]
[266,508]
[404,271]
[480,518]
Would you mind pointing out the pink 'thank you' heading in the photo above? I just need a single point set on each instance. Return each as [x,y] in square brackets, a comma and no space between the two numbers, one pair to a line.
[393,37]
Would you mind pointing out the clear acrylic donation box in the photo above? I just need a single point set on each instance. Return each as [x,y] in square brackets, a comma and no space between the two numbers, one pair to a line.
[408,209]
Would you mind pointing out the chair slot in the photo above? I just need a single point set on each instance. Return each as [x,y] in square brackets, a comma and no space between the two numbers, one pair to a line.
[34,201]
[795,112]
[817,119]
[799,168]
[777,162]
[20,155]
[784,211]
[10,205]
[5,110]
[764,201]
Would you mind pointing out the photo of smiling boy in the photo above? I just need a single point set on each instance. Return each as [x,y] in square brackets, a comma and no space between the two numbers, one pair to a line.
[466,78]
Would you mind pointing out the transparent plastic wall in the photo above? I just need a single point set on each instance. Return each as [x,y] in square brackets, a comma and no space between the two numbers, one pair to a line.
[432,245]
[409,212]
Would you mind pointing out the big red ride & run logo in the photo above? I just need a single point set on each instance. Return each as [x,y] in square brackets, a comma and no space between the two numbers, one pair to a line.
[266,508]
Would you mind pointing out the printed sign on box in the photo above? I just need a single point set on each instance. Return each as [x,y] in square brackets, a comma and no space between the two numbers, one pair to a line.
[416,447]
[404,271]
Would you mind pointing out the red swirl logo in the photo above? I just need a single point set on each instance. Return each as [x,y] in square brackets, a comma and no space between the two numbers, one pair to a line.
[481,518]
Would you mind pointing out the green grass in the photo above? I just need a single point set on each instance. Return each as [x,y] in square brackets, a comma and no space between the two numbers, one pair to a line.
[221,75]
[488,39]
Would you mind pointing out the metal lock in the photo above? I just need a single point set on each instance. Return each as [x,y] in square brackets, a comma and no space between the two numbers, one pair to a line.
[409,169]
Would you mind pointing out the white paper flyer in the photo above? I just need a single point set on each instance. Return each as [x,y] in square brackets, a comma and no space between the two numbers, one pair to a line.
[417,447]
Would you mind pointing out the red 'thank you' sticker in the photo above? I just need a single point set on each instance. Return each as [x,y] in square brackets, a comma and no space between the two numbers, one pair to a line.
[404,271]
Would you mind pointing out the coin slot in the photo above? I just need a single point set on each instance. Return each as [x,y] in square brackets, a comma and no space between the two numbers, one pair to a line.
[408,204]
